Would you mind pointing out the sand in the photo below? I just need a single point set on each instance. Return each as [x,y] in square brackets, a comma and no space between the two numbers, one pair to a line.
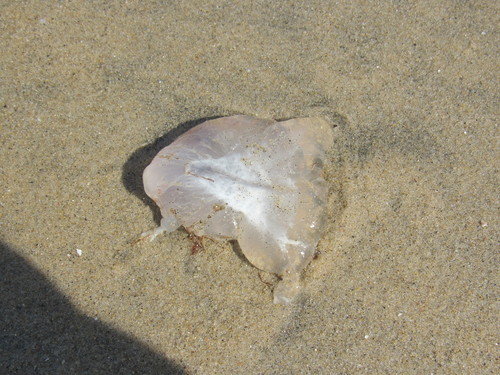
[406,278]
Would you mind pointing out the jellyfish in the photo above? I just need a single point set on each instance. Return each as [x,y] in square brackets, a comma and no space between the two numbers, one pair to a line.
[259,182]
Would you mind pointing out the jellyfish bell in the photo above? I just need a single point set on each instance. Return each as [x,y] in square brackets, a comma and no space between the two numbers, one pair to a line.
[256,181]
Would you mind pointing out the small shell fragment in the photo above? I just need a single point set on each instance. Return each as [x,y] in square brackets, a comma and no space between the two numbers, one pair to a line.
[257,181]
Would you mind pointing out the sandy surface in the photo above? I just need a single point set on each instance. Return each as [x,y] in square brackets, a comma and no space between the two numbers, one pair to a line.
[406,279]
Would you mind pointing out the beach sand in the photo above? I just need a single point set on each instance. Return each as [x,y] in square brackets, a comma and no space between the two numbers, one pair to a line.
[407,272]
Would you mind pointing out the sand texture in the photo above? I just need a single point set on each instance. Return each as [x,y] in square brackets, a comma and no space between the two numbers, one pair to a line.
[406,277]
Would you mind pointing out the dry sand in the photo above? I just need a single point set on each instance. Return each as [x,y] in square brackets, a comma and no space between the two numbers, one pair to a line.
[406,279]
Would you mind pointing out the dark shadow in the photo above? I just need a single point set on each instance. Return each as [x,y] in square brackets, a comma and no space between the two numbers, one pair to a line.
[42,333]
[239,253]
[139,160]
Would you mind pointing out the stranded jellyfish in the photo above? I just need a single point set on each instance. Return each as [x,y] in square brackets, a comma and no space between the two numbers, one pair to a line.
[256,181]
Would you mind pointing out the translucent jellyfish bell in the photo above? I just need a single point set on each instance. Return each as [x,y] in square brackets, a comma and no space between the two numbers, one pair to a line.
[256,181]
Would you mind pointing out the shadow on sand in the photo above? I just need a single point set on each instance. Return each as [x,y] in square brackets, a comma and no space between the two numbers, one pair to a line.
[42,333]
[140,159]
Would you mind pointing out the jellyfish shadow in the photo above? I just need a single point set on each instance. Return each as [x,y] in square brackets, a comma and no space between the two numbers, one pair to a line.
[42,333]
[142,157]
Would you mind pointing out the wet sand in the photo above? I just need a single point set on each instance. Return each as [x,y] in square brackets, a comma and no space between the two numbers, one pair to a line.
[406,279]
